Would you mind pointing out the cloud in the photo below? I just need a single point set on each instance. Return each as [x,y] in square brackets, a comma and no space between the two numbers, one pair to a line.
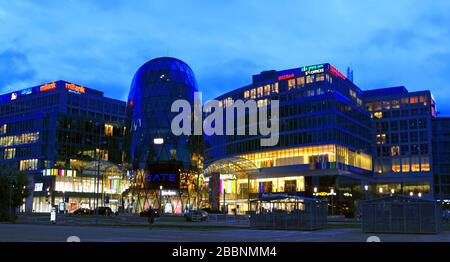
[14,67]
[103,43]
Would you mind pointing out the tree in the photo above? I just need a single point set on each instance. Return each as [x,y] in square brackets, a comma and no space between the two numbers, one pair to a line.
[13,190]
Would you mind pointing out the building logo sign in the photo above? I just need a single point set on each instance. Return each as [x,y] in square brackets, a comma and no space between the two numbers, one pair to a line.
[13,96]
[75,88]
[335,72]
[312,68]
[47,87]
[315,71]
[284,77]
[26,92]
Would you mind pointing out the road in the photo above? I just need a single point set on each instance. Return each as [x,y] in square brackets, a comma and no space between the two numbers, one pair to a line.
[57,233]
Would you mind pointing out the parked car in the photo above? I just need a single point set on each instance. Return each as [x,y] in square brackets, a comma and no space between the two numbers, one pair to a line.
[103,211]
[149,211]
[82,211]
[196,215]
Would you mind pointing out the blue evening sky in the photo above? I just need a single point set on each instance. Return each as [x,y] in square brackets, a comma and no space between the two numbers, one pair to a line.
[100,44]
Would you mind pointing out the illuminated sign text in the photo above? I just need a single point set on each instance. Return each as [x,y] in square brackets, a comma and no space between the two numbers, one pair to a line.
[284,77]
[75,88]
[47,87]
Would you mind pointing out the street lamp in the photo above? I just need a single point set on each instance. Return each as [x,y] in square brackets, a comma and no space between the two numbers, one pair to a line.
[332,194]
[392,191]
[411,194]
[420,194]
[366,188]
[160,198]
[315,191]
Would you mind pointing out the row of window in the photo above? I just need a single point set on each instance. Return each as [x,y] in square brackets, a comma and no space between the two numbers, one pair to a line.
[95,104]
[401,125]
[27,138]
[397,103]
[402,150]
[404,164]
[394,138]
[93,115]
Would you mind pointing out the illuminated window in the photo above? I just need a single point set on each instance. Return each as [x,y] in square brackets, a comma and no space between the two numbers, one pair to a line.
[267,90]
[381,139]
[260,91]
[275,88]
[395,104]
[359,102]
[369,106]
[352,93]
[9,153]
[247,94]
[262,102]
[320,77]
[309,79]
[395,151]
[413,100]
[378,115]
[108,130]
[301,81]
[386,105]
[415,165]
[405,164]
[423,100]
[425,164]
[291,84]
[396,165]
[404,102]
[173,154]
[377,105]
[29,164]
[253,93]
[3,129]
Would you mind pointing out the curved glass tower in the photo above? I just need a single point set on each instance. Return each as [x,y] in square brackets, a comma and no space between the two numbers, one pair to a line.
[154,150]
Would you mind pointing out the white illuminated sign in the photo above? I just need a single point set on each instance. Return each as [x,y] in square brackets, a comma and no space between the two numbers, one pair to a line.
[169,193]
[158,141]
[227,176]
[313,72]
[13,96]
[38,187]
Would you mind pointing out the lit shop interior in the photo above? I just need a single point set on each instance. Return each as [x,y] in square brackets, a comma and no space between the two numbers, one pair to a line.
[71,189]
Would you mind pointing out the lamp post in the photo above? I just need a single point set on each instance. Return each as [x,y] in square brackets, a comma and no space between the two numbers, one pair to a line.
[332,194]
[366,188]
[392,191]
[315,191]
[160,198]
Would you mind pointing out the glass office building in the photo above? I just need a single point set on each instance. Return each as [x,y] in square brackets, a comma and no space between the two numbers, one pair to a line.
[324,146]
[60,134]
[336,142]
[401,140]
[155,152]
[441,159]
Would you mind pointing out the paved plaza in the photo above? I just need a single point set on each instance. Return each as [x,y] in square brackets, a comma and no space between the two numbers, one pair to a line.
[58,233]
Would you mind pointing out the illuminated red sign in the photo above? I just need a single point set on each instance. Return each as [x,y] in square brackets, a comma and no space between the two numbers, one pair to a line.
[335,72]
[47,87]
[284,77]
[75,88]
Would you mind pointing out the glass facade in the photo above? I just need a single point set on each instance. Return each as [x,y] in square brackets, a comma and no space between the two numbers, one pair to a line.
[153,148]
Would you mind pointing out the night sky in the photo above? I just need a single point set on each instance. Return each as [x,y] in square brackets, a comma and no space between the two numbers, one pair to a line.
[101,44]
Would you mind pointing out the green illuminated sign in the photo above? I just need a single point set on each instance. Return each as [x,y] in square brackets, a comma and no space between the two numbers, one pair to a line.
[309,68]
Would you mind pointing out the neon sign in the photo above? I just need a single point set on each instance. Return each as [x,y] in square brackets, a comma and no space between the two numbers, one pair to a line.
[77,89]
[335,72]
[26,92]
[284,77]
[47,87]
[311,68]
[315,71]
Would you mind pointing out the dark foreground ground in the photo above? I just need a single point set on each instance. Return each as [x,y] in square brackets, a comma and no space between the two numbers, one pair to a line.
[58,233]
